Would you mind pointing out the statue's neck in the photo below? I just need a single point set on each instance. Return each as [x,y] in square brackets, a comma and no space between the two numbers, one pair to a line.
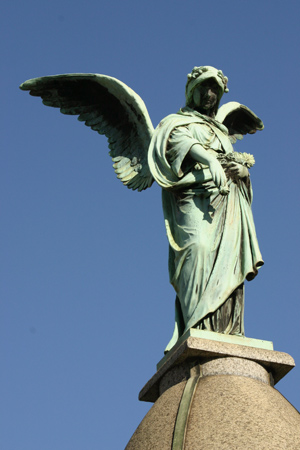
[206,112]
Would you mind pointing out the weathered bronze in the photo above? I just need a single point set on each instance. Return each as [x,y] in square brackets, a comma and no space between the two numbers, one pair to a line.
[206,186]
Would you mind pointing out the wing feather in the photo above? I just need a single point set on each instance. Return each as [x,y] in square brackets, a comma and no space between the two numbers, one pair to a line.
[109,107]
[239,120]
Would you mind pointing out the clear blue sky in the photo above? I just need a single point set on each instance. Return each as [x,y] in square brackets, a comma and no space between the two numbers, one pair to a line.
[86,305]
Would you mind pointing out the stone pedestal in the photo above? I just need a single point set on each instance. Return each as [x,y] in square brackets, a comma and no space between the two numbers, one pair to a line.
[212,394]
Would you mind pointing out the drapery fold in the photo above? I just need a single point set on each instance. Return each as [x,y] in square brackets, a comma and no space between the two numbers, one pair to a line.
[213,243]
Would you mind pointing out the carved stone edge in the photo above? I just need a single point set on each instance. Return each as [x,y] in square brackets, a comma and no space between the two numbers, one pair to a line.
[278,364]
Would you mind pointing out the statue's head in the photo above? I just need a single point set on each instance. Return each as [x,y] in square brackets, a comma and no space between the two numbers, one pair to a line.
[203,76]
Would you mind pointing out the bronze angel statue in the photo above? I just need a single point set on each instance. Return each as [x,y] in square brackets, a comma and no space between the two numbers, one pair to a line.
[206,188]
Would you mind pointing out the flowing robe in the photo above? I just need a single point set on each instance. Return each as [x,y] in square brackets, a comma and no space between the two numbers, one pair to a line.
[212,240]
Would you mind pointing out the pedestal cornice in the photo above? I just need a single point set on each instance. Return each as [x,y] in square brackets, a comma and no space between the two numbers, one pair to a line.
[210,357]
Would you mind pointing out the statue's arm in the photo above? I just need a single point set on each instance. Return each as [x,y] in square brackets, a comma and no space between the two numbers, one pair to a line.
[184,150]
[199,154]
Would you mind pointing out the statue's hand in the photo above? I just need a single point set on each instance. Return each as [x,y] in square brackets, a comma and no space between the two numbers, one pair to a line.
[199,154]
[237,171]
[217,173]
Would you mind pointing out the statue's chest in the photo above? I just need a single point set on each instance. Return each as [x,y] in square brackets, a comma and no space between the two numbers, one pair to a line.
[212,138]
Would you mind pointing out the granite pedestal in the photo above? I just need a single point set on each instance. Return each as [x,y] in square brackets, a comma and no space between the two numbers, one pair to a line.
[215,394]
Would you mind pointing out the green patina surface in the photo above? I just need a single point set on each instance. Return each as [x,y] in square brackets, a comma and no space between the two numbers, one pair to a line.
[206,186]
[180,428]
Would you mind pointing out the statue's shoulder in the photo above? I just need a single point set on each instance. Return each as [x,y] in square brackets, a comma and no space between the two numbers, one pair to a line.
[175,117]
[183,117]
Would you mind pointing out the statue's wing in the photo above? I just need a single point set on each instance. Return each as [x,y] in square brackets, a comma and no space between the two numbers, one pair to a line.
[239,120]
[110,107]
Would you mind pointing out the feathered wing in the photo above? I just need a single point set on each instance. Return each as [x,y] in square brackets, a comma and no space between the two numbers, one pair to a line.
[239,120]
[109,107]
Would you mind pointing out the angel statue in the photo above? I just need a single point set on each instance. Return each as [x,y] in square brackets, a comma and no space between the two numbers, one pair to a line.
[206,188]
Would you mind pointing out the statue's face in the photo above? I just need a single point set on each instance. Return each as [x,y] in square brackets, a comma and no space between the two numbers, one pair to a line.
[205,96]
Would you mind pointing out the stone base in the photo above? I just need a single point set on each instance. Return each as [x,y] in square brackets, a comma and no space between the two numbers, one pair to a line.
[211,336]
[207,357]
[212,395]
